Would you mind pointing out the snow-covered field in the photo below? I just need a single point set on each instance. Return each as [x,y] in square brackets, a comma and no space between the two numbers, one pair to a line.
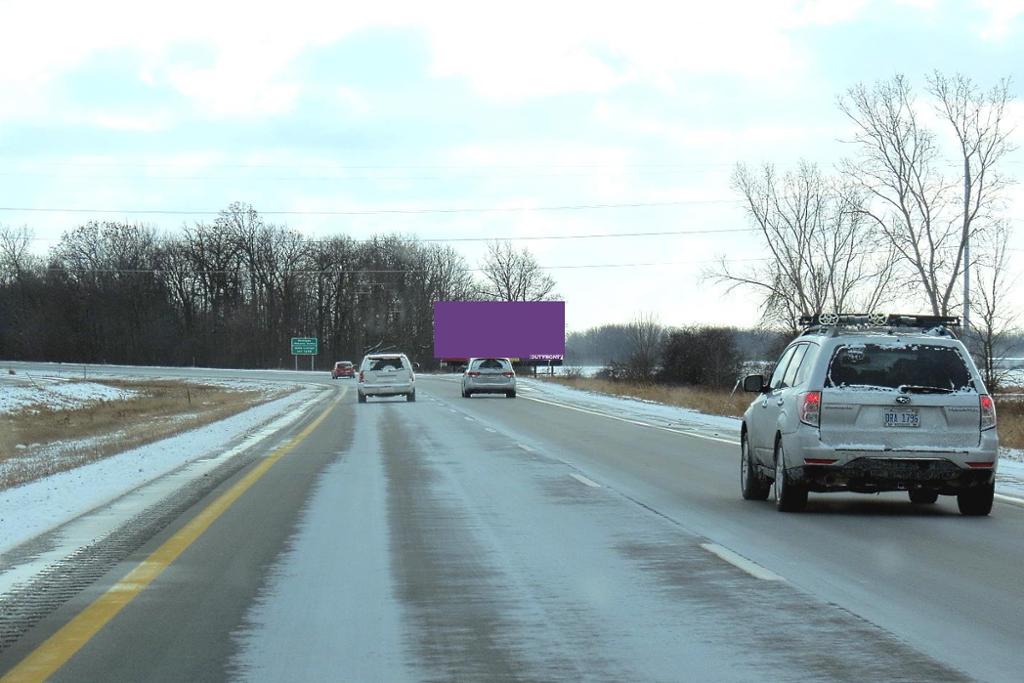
[20,392]
[31,509]
[56,392]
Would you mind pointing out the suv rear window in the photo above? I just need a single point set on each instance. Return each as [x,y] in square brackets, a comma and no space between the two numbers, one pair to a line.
[385,363]
[920,367]
[490,364]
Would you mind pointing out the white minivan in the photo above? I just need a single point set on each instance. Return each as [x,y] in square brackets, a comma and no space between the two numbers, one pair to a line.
[386,374]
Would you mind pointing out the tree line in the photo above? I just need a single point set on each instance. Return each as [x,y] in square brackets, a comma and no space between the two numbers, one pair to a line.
[233,291]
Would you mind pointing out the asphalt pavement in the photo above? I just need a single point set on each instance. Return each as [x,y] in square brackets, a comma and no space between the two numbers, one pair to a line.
[457,539]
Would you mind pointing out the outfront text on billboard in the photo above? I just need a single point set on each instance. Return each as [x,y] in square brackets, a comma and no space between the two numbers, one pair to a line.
[528,330]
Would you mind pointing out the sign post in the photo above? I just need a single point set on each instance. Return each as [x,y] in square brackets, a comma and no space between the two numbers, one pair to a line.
[304,346]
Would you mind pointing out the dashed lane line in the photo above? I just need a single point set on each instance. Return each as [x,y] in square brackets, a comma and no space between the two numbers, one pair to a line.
[584,480]
[736,560]
[732,442]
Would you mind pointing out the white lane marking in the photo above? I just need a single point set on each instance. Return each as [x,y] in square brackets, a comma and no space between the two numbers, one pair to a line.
[468,419]
[731,442]
[452,410]
[1011,500]
[750,567]
[526,448]
[583,480]
[492,431]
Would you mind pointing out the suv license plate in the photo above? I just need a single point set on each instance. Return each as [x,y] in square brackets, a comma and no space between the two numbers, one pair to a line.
[902,418]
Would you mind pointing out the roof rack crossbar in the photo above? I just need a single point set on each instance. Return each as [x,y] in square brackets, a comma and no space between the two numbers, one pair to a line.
[879,320]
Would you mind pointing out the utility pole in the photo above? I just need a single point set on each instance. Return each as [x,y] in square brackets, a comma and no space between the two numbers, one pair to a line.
[967,247]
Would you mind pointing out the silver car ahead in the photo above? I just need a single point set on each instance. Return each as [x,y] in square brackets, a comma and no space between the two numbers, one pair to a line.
[386,374]
[489,376]
[870,408]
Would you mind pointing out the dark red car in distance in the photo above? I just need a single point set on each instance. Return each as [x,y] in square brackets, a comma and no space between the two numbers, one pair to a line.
[343,368]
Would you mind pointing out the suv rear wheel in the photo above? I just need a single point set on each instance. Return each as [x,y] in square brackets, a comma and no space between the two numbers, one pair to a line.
[752,486]
[362,397]
[977,501]
[411,396]
[789,497]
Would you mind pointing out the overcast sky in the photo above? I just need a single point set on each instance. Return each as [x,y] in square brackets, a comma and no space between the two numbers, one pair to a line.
[376,107]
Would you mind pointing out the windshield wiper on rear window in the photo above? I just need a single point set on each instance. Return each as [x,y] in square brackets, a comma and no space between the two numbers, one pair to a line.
[921,389]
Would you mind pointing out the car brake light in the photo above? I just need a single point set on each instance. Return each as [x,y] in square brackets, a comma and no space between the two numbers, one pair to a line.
[981,465]
[473,374]
[810,408]
[508,374]
[361,378]
[988,412]
[820,461]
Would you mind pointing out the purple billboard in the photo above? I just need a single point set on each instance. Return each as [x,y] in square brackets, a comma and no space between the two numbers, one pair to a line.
[528,330]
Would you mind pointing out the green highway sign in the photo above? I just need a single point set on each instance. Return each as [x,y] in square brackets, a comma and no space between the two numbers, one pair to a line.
[304,346]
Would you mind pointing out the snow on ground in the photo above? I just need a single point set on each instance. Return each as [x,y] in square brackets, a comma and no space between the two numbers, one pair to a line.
[31,509]
[633,408]
[18,392]
[1009,476]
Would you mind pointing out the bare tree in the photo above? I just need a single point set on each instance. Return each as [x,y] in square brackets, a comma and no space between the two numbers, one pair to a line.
[514,275]
[15,253]
[822,254]
[993,319]
[645,336]
[914,203]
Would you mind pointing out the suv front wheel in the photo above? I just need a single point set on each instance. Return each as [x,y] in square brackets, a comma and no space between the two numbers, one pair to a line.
[752,486]
[789,497]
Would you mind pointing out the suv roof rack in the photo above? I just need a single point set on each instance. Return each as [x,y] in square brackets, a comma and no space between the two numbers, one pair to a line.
[943,325]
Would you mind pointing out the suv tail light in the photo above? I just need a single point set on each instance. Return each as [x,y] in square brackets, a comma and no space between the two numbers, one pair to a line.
[361,377]
[810,408]
[988,412]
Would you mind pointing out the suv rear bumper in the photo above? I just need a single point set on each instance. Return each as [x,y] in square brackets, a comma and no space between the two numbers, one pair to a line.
[387,390]
[873,474]
[869,471]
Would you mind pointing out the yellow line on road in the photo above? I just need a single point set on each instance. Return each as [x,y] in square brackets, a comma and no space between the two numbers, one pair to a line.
[45,660]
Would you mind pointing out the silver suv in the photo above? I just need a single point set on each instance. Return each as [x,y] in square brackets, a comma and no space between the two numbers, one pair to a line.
[489,376]
[867,404]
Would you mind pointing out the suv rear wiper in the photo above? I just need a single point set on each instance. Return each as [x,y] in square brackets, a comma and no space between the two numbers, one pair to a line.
[920,389]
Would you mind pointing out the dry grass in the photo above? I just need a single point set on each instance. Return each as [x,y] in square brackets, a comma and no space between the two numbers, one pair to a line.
[710,401]
[1010,413]
[161,409]
[1010,409]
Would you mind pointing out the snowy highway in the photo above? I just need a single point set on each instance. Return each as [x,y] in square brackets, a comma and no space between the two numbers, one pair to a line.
[550,537]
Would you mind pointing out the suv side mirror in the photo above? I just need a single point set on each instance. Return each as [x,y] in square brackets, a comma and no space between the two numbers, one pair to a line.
[416,366]
[753,383]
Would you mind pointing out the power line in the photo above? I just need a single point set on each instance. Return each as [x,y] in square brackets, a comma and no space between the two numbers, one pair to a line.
[663,233]
[397,271]
[331,178]
[389,167]
[373,212]
[517,238]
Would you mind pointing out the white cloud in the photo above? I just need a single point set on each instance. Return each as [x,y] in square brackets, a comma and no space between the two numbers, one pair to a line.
[545,48]
[249,48]
[1001,19]
[515,51]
